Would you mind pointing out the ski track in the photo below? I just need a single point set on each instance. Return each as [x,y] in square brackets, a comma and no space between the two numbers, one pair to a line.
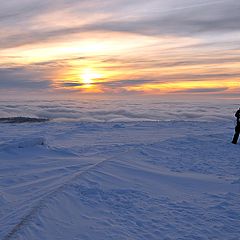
[41,203]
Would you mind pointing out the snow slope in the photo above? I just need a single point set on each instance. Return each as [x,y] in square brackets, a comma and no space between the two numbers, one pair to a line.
[129,180]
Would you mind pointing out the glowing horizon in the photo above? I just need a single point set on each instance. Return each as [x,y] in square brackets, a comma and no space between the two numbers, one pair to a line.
[180,47]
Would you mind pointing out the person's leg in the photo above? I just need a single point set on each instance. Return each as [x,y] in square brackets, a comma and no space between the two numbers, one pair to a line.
[236,135]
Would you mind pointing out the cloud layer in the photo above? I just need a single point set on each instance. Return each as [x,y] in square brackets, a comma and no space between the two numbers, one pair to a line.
[120,111]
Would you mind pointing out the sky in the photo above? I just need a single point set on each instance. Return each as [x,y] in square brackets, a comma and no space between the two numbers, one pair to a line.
[120,48]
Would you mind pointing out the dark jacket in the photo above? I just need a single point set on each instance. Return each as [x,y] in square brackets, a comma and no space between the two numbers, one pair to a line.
[237,115]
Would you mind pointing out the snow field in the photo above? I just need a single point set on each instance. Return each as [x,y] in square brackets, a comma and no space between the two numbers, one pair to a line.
[140,180]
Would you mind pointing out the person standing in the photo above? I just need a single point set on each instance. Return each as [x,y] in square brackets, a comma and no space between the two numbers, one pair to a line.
[237,128]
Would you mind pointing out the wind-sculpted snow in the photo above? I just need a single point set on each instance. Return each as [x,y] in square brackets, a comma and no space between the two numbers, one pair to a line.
[126,180]
[116,111]
[24,143]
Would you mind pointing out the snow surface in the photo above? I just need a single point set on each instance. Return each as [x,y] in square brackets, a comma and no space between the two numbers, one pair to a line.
[119,180]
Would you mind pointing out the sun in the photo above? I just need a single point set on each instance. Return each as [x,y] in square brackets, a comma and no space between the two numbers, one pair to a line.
[89,76]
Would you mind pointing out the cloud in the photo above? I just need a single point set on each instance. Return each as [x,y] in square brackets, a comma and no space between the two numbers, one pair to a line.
[20,78]
[117,111]
[112,84]
[179,41]
[125,83]
[184,19]
[203,90]
[221,18]
[71,84]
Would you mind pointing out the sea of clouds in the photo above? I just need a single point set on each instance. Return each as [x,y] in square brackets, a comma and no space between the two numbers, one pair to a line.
[119,110]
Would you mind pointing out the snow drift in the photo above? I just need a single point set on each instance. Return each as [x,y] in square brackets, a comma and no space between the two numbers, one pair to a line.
[139,180]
